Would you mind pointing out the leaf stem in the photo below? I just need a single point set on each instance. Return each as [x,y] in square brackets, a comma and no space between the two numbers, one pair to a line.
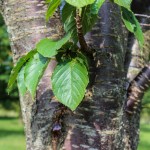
[83,44]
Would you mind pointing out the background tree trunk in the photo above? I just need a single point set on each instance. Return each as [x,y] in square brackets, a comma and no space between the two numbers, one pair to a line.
[99,123]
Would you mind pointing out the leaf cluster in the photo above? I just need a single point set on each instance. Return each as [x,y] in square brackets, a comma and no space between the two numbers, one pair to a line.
[70,77]
[90,9]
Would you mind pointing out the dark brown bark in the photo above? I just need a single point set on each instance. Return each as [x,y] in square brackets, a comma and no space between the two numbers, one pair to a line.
[99,123]
[81,38]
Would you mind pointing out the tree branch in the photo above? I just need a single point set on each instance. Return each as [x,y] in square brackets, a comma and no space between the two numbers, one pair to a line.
[140,82]
[137,88]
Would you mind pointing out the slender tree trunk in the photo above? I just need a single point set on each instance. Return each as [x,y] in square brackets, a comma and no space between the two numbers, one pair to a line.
[100,122]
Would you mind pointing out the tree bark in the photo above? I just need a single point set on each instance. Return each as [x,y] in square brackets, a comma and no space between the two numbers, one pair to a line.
[100,122]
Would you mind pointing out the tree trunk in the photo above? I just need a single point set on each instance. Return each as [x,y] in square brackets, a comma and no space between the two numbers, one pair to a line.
[100,122]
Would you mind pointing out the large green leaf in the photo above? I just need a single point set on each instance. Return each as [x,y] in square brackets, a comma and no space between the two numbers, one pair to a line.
[132,24]
[80,3]
[48,48]
[34,70]
[69,22]
[52,7]
[124,3]
[21,82]
[17,68]
[69,82]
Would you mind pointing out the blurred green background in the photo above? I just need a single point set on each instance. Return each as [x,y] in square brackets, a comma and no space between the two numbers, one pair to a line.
[11,126]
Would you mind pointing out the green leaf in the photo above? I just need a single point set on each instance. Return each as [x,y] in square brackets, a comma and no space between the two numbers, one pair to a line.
[132,25]
[69,22]
[34,70]
[124,3]
[89,17]
[83,59]
[69,82]
[21,82]
[48,48]
[17,68]
[52,8]
[80,3]
[48,1]
[96,6]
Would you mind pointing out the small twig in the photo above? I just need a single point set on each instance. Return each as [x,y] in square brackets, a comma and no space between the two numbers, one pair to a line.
[83,44]
[141,15]
[142,24]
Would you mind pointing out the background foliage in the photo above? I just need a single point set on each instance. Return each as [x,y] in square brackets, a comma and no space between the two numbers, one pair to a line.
[6,64]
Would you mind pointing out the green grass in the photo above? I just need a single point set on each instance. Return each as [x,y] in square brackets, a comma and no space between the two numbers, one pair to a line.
[11,134]
[144,137]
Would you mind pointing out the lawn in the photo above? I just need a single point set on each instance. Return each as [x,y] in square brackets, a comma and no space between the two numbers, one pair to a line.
[144,137]
[12,135]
